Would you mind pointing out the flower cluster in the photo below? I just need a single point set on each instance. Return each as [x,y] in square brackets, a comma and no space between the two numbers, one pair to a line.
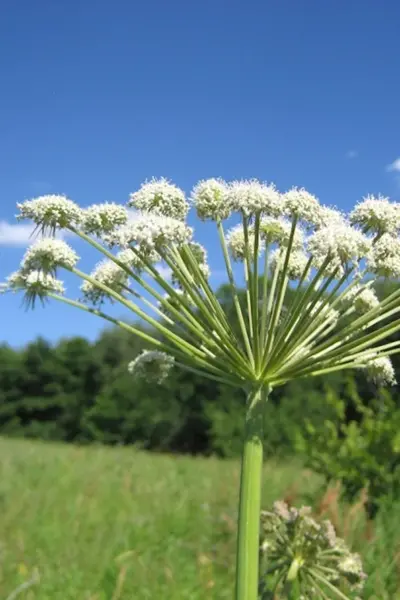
[308,552]
[152,365]
[236,242]
[211,200]
[339,242]
[35,284]
[362,298]
[252,196]
[109,274]
[160,197]
[296,266]
[150,233]
[384,257]
[48,254]
[277,231]
[50,212]
[304,206]
[376,214]
[380,370]
[101,219]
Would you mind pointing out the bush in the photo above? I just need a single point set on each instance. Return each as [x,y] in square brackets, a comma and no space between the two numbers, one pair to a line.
[363,452]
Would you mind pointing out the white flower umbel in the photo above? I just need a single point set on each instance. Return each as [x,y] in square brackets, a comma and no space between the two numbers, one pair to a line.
[384,257]
[236,243]
[100,219]
[109,274]
[211,200]
[160,197]
[304,206]
[296,265]
[312,312]
[252,196]
[47,255]
[277,231]
[362,298]
[152,365]
[380,370]
[151,233]
[341,243]
[308,555]
[50,212]
[377,214]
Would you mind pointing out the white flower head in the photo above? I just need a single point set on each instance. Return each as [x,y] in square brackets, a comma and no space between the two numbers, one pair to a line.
[252,196]
[131,260]
[200,255]
[297,262]
[236,242]
[47,254]
[380,370]
[323,311]
[377,214]
[35,284]
[151,233]
[211,200]
[99,219]
[108,274]
[362,297]
[50,212]
[160,197]
[277,231]
[342,243]
[328,216]
[384,257]
[152,365]
[303,205]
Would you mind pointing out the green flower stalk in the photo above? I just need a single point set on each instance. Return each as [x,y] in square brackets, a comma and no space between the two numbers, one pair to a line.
[309,306]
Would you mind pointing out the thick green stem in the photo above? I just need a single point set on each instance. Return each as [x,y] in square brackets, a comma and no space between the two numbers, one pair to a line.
[250,498]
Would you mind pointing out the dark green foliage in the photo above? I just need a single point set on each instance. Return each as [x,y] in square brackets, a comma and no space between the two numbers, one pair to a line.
[363,452]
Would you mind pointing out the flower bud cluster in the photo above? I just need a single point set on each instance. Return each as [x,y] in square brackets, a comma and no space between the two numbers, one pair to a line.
[152,366]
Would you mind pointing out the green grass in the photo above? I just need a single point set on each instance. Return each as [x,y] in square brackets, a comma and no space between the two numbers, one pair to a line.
[115,524]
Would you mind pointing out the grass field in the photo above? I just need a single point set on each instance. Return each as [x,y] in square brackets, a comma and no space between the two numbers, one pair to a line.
[115,524]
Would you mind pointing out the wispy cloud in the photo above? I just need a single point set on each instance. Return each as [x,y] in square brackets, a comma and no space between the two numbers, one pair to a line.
[164,271]
[350,154]
[20,235]
[394,166]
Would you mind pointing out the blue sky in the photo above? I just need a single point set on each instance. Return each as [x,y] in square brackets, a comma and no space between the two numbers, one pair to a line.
[98,96]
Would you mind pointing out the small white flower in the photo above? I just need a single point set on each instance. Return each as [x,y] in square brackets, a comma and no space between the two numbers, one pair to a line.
[384,257]
[300,203]
[48,254]
[103,218]
[152,365]
[50,212]
[109,274]
[342,243]
[277,231]
[296,265]
[160,197]
[381,371]
[235,240]
[151,232]
[211,200]
[377,214]
[252,196]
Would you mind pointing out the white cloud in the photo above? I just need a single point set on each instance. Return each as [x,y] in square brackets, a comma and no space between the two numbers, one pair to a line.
[19,234]
[394,166]
[350,154]
[164,271]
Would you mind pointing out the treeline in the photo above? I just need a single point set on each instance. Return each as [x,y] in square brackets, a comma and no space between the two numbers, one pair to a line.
[77,391]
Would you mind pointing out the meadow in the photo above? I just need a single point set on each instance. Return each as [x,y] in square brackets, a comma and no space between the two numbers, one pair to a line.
[96,523]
